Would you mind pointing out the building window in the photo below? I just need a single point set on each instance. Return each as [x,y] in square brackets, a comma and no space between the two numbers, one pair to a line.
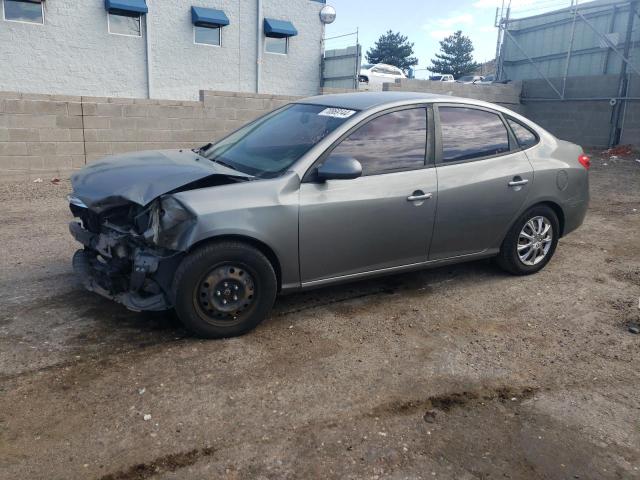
[207,35]
[124,25]
[277,33]
[277,45]
[24,11]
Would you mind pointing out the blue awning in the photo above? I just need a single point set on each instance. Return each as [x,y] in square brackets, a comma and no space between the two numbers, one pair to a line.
[133,8]
[208,17]
[279,28]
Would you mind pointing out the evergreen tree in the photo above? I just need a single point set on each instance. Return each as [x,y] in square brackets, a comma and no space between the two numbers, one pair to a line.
[393,49]
[456,57]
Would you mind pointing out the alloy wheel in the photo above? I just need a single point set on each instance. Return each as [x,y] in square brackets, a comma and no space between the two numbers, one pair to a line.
[535,240]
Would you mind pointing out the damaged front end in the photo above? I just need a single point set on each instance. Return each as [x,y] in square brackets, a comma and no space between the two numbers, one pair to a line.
[131,251]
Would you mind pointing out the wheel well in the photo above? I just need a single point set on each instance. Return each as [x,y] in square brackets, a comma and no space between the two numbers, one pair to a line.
[557,209]
[262,247]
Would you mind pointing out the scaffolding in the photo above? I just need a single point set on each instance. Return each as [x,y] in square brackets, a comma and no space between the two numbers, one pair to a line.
[595,38]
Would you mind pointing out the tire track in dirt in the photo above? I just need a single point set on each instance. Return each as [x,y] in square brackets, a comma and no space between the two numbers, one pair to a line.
[167,463]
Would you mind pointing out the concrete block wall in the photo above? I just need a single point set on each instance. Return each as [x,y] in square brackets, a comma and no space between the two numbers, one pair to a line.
[40,132]
[52,134]
[577,119]
[506,95]
[586,123]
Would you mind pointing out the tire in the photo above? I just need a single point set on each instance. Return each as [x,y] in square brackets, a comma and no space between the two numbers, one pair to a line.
[509,256]
[224,289]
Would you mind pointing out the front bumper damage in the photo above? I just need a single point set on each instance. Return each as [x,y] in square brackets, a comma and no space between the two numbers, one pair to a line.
[120,267]
[84,265]
[134,231]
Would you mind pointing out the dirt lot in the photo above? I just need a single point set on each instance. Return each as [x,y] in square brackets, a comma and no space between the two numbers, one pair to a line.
[462,372]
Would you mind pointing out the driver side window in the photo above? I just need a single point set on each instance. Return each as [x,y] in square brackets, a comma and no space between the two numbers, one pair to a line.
[392,142]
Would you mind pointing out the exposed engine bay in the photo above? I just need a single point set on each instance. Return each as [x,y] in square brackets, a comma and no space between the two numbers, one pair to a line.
[131,251]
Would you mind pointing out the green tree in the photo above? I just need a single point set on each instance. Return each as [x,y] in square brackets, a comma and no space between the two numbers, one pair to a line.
[456,57]
[393,49]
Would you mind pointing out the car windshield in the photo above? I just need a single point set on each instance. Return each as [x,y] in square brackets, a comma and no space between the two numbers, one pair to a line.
[268,146]
[366,66]
[466,79]
[435,77]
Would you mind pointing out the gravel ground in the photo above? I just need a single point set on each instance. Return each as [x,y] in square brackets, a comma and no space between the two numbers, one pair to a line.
[462,372]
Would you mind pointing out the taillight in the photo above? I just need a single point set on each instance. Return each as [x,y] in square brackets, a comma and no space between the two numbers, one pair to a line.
[585,161]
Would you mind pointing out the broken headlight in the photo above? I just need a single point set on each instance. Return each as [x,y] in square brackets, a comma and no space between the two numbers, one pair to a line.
[169,222]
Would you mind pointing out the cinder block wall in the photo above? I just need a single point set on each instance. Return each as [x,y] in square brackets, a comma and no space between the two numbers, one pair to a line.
[586,122]
[506,95]
[52,134]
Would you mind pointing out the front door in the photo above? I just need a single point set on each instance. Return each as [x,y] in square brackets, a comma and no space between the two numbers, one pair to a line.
[483,180]
[381,220]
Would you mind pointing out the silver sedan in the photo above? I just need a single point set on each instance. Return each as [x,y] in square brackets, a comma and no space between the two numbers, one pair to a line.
[325,190]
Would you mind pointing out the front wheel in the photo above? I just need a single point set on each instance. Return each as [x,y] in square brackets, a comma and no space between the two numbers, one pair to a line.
[224,289]
[531,241]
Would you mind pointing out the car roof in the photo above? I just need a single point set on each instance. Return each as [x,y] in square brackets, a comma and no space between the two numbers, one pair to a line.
[368,100]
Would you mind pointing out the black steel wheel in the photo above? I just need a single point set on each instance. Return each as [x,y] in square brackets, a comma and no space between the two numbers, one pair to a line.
[224,289]
[225,294]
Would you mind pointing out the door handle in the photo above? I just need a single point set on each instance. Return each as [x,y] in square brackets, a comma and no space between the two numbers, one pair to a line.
[518,183]
[415,198]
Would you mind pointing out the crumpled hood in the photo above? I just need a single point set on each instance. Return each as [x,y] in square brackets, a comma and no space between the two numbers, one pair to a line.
[141,177]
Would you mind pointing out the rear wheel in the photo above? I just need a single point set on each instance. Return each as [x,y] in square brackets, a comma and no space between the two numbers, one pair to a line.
[531,241]
[224,289]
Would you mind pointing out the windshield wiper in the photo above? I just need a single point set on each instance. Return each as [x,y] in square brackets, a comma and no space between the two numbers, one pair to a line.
[206,147]
[224,164]
[202,149]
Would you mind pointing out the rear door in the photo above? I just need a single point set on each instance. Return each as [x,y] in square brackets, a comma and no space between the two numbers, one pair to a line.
[483,180]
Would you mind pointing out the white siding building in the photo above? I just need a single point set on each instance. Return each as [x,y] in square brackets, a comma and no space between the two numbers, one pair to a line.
[167,49]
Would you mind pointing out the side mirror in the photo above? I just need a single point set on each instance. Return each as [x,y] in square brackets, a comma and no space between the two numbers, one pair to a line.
[339,167]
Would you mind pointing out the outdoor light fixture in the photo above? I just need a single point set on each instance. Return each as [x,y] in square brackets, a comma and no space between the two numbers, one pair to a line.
[327,14]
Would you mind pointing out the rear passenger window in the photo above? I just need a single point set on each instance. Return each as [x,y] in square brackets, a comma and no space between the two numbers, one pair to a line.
[468,133]
[526,138]
[392,142]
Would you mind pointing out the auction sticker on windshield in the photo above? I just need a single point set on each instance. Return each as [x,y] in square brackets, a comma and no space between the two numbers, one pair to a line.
[336,112]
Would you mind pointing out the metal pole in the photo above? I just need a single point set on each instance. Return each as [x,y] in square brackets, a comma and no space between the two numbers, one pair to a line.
[623,82]
[259,46]
[322,48]
[504,29]
[542,75]
[625,59]
[612,26]
[566,67]
[147,49]
[356,74]
[498,23]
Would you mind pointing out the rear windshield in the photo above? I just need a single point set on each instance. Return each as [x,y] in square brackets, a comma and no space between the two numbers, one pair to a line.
[270,145]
